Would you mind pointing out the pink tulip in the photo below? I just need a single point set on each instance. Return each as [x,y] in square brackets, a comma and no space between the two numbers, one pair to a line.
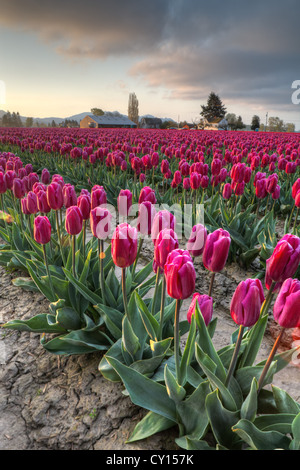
[166,242]
[73,221]
[287,305]
[180,274]
[124,245]
[216,250]
[197,240]
[246,302]
[42,230]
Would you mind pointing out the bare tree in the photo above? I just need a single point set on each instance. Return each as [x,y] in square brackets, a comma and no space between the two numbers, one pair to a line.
[133,108]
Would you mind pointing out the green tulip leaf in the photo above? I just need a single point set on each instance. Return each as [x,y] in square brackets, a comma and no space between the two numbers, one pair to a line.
[38,324]
[260,440]
[175,391]
[151,424]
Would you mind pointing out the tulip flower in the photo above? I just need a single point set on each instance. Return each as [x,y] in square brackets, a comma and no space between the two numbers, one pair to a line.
[84,204]
[147,194]
[73,225]
[45,177]
[98,197]
[227,191]
[163,219]
[166,242]
[284,261]
[18,188]
[180,281]
[100,223]
[197,240]
[55,196]
[245,310]
[124,245]
[31,202]
[216,252]
[74,219]
[42,235]
[146,216]
[124,252]
[286,310]
[69,196]
[3,184]
[206,307]
[42,230]
[124,202]
[42,202]
[286,313]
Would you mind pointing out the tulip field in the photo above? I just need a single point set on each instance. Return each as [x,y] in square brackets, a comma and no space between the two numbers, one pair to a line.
[111,228]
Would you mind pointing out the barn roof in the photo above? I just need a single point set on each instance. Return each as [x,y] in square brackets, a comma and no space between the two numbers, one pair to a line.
[112,119]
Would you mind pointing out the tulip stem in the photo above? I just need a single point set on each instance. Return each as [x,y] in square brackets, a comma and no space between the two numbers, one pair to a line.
[73,254]
[211,284]
[176,341]
[235,355]
[84,238]
[155,291]
[137,256]
[124,292]
[59,237]
[296,219]
[266,304]
[162,306]
[48,271]
[290,218]
[269,360]
[101,268]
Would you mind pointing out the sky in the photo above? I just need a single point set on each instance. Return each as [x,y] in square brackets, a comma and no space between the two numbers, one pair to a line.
[59,58]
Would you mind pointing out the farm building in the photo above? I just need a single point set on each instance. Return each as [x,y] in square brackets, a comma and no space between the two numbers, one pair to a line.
[215,124]
[150,123]
[106,120]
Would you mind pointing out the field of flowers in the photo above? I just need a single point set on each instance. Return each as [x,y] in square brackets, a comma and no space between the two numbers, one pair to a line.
[78,209]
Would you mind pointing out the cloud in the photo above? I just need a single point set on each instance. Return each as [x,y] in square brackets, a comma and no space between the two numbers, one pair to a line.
[246,51]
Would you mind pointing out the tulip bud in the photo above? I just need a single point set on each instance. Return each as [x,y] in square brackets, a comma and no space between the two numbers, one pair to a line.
[205,303]
[246,302]
[124,245]
[284,261]
[180,274]
[166,242]
[216,250]
[287,305]
[24,206]
[197,240]
[42,230]
[73,222]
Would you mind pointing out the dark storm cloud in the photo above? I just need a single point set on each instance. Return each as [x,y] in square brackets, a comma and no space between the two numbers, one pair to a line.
[244,50]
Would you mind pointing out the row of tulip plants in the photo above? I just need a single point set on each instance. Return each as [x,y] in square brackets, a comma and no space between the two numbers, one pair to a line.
[86,259]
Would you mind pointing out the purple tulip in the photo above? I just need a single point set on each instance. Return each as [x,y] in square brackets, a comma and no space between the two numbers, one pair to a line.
[205,303]
[246,302]
[216,250]
[287,305]
[180,274]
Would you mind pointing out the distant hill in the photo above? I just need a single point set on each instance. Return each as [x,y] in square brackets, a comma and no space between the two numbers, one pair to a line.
[74,117]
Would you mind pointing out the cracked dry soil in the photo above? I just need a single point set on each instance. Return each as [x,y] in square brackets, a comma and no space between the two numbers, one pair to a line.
[49,402]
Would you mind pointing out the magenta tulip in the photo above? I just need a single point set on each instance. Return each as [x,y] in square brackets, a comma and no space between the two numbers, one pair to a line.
[163,219]
[42,230]
[42,202]
[84,204]
[73,222]
[166,242]
[124,245]
[100,222]
[287,305]
[69,196]
[55,196]
[146,216]
[283,262]
[180,274]
[216,250]
[206,307]
[124,202]
[32,206]
[147,194]
[246,302]
[197,240]
[98,197]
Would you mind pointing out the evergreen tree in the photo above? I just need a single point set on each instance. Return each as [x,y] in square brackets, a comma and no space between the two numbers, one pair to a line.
[214,108]
[239,123]
[255,123]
